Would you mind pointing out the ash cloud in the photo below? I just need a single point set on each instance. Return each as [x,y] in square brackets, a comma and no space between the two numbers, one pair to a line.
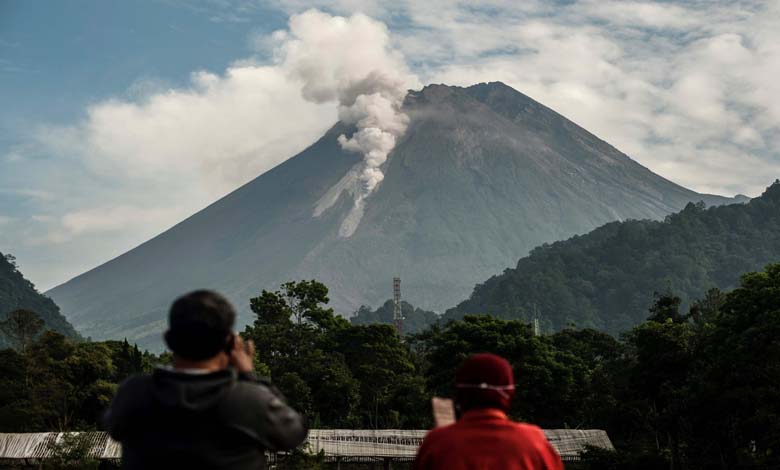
[350,61]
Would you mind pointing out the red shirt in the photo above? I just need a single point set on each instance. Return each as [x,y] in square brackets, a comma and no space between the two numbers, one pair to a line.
[486,440]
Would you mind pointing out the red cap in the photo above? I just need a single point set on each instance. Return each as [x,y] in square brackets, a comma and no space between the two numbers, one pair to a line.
[484,381]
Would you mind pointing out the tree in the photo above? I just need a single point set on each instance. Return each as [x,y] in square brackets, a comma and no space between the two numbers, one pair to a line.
[380,364]
[299,302]
[21,327]
[666,307]
[296,335]
[663,360]
[416,320]
[11,259]
[548,381]
[738,388]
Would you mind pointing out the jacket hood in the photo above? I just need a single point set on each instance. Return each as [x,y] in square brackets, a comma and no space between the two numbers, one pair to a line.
[190,391]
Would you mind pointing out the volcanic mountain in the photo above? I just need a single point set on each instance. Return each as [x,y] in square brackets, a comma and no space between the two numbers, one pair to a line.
[482,175]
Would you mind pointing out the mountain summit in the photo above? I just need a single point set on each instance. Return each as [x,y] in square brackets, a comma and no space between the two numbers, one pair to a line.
[482,175]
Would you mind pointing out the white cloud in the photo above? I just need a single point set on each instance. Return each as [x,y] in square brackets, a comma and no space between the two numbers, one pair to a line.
[688,89]
[223,131]
[642,14]
[149,159]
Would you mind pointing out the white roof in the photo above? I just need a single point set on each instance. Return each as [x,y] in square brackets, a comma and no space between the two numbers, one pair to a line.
[347,443]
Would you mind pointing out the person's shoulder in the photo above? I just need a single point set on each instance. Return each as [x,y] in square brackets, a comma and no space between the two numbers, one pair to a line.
[249,388]
[528,429]
[441,433]
[136,382]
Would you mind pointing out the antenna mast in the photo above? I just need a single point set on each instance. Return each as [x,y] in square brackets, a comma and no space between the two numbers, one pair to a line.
[537,331]
[398,317]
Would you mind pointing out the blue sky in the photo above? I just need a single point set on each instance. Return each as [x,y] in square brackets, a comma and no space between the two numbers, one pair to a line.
[118,119]
[58,57]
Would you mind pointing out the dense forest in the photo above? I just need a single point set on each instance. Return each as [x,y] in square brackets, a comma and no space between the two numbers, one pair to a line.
[415,319]
[17,293]
[685,389]
[606,278]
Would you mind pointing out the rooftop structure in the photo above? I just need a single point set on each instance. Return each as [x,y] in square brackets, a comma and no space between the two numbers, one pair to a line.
[337,444]
[398,316]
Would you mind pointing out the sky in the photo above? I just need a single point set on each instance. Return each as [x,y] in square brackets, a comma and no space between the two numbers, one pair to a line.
[120,119]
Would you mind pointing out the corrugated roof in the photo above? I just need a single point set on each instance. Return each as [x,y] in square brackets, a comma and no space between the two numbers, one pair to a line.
[41,445]
[347,443]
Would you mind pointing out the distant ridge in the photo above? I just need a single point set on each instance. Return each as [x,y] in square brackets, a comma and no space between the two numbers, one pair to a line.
[482,175]
[17,293]
[606,279]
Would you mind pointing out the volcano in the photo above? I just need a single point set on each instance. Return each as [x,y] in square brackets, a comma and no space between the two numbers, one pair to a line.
[482,175]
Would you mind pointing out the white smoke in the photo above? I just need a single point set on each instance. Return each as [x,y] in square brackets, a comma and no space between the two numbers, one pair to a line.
[350,61]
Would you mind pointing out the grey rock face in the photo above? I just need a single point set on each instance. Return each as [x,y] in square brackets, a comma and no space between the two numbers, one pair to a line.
[482,175]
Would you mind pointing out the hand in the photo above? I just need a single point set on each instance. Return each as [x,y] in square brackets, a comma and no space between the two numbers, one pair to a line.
[242,356]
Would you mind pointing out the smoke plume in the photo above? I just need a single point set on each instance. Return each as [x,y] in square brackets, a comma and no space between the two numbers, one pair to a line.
[350,61]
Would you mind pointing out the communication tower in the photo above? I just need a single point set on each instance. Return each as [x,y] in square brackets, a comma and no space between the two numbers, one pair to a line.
[537,330]
[398,317]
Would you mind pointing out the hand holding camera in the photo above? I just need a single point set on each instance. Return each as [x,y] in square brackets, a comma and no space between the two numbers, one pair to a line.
[242,354]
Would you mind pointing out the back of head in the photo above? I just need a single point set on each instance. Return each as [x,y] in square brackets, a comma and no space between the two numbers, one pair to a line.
[484,381]
[199,325]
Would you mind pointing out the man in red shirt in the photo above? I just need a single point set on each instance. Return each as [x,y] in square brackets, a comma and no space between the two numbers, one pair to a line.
[484,438]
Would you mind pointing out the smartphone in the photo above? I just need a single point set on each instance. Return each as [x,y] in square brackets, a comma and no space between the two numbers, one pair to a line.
[443,411]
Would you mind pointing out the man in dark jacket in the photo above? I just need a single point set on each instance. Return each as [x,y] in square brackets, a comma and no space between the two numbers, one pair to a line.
[208,411]
[483,438]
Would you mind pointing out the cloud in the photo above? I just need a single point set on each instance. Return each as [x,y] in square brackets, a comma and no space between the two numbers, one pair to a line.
[153,155]
[223,131]
[663,16]
[685,88]
[688,89]
[350,61]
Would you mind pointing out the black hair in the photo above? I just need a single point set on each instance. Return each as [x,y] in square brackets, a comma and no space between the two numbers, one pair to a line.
[200,325]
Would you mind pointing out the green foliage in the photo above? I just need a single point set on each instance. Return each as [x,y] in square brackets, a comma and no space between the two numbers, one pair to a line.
[73,451]
[19,294]
[21,327]
[59,384]
[606,278]
[547,394]
[695,390]
[416,320]
[300,460]
[739,376]
[341,375]
[299,302]
[128,360]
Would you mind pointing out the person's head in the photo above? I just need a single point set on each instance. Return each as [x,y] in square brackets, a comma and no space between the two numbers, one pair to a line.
[200,326]
[484,381]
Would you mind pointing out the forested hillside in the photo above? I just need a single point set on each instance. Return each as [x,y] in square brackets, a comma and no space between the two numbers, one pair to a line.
[687,390]
[606,278]
[17,293]
[415,319]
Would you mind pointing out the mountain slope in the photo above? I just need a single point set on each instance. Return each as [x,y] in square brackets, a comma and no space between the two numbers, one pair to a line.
[606,279]
[482,175]
[16,293]
[415,320]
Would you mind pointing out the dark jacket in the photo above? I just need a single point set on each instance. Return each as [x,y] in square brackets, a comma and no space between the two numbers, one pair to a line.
[218,420]
[486,439]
